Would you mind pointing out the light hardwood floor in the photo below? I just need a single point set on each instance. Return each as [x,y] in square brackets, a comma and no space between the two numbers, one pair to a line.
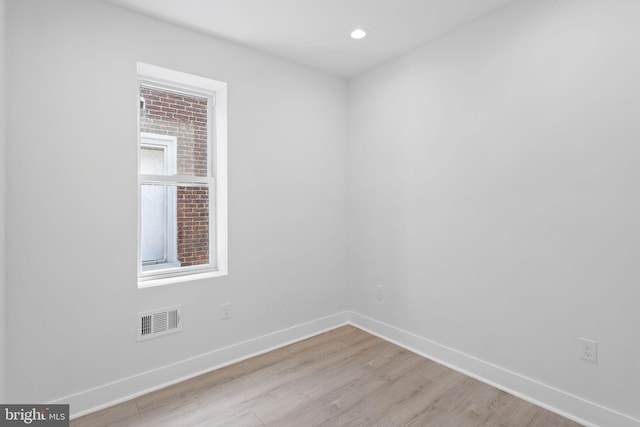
[345,377]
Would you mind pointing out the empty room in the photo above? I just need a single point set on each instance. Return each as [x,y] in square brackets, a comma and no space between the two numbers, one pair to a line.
[320,213]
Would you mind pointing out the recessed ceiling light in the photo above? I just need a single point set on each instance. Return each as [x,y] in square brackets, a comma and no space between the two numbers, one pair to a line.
[358,34]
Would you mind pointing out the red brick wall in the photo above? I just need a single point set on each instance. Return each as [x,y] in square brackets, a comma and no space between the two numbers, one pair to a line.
[185,117]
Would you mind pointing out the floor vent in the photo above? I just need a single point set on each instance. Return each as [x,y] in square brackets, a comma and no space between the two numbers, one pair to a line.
[155,323]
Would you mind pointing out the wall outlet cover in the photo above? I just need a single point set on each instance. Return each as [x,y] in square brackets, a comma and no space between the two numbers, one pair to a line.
[588,350]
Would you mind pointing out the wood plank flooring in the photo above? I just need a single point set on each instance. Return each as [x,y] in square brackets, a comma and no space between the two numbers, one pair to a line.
[345,377]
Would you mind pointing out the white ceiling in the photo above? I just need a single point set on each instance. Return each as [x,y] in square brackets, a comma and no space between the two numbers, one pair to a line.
[316,32]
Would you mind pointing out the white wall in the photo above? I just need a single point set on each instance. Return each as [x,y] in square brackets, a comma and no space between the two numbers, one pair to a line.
[494,193]
[3,135]
[71,198]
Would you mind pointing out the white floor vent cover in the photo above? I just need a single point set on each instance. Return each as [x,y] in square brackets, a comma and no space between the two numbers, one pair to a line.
[155,323]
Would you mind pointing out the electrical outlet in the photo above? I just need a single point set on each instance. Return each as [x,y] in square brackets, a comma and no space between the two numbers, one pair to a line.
[226,311]
[379,293]
[588,350]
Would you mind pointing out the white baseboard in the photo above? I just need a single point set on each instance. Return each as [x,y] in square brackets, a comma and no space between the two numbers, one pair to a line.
[128,388]
[570,406]
[555,400]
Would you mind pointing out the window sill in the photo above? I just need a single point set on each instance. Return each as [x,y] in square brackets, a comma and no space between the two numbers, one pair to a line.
[151,283]
[160,266]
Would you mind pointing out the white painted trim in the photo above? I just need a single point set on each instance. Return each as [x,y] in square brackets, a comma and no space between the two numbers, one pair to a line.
[124,389]
[175,179]
[184,81]
[195,273]
[566,404]
[218,145]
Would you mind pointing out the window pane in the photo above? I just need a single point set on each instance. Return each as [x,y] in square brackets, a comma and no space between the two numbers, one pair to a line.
[155,227]
[174,226]
[182,116]
[193,225]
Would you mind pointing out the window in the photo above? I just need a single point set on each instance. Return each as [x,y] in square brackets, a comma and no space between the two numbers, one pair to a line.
[182,221]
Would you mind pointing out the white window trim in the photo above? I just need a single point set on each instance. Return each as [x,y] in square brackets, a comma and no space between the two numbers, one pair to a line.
[217,179]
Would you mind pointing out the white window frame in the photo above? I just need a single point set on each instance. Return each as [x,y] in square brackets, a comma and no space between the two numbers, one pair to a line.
[216,92]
